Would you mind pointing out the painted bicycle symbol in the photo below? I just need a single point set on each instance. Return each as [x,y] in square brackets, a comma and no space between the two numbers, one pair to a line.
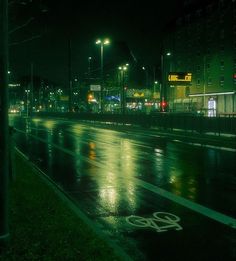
[161,221]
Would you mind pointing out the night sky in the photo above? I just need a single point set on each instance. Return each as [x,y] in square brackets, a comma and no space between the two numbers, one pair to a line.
[137,25]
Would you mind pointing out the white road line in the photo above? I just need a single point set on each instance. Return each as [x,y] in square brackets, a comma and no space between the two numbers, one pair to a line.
[229,221]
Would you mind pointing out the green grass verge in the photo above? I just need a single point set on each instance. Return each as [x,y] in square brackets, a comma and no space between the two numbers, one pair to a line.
[42,227]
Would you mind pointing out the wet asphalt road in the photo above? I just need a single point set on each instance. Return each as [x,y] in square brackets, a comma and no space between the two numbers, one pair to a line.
[124,181]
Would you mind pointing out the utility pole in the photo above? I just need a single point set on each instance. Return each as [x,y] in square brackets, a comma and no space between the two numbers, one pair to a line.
[102,79]
[4,129]
[31,87]
[204,82]
[162,91]
[69,76]
[102,44]
[154,81]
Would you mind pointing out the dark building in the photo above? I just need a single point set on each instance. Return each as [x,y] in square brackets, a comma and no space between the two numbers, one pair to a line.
[202,42]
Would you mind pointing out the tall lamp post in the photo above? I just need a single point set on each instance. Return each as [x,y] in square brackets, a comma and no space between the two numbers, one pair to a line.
[32,86]
[163,86]
[102,43]
[155,83]
[146,75]
[27,102]
[89,72]
[89,67]
[123,69]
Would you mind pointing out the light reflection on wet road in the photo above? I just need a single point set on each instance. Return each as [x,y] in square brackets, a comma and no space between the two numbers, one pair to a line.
[98,168]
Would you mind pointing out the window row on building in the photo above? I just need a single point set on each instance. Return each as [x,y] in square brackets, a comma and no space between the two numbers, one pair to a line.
[203,42]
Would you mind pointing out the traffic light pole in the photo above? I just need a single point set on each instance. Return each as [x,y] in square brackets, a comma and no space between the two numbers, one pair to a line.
[4,129]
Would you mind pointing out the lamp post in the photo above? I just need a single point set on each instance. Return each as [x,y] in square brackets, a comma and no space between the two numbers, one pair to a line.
[59,93]
[70,77]
[204,83]
[154,88]
[27,102]
[102,43]
[163,85]
[123,69]
[146,75]
[32,86]
[89,67]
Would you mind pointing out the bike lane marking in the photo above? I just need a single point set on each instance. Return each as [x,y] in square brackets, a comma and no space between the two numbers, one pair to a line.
[160,221]
[210,213]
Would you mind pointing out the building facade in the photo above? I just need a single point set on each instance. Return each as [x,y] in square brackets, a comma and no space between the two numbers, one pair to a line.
[202,42]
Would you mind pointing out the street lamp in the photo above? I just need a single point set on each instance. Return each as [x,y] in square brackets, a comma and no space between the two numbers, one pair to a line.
[123,69]
[163,85]
[89,66]
[154,88]
[146,75]
[59,94]
[102,43]
[27,102]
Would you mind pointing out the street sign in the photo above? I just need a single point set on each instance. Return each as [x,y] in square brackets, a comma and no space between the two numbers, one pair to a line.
[180,77]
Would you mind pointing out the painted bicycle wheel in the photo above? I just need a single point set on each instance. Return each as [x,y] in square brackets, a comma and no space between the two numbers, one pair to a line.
[138,221]
[163,216]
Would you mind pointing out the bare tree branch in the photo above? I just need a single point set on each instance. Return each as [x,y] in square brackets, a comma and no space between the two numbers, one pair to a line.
[26,40]
[17,2]
[21,26]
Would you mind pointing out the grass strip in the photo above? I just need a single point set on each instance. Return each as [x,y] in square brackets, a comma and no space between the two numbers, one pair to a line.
[42,227]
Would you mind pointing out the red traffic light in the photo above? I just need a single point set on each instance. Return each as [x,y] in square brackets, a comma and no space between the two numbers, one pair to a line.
[163,104]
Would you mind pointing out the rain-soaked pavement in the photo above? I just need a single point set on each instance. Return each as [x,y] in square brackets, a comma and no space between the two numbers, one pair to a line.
[155,199]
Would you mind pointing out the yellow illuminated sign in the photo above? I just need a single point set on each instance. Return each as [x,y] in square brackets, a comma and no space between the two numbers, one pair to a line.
[64,98]
[138,94]
[180,77]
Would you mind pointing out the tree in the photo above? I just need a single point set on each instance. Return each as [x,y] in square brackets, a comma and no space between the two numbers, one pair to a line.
[4,128]
[4,135]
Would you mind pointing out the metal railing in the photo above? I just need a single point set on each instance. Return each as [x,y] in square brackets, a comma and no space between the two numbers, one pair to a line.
[165,121]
